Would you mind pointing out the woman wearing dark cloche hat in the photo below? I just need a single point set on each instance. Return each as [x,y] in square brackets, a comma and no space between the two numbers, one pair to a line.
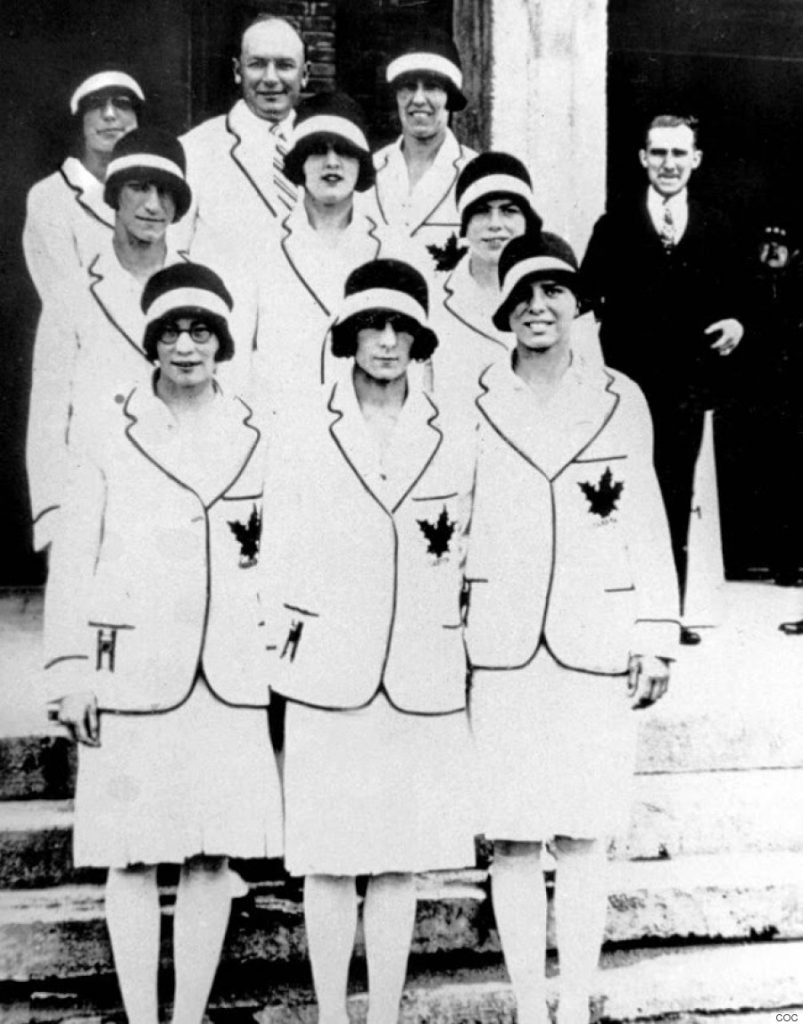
[495,203]
[572,618]
[416,174]
[363,570]
[301,271]
[66,215]
[154,655]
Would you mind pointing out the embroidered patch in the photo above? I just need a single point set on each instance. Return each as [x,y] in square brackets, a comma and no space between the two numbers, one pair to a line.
[248,535]
[107,643]
[603,498]
[438,534]
[448,255]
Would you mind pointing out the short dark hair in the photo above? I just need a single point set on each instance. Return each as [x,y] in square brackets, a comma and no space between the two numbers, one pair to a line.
[673,121]
[344,340]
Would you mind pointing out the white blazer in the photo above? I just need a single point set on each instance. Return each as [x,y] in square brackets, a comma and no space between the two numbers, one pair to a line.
[230,171]
[66,222]
[428,214]
[362,577]
[86,355]
[570,545]
[151,578]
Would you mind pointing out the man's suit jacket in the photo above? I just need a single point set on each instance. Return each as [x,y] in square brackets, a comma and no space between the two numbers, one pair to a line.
[151,578]
[231,174]
[569,541]
[653,305]
[362,580]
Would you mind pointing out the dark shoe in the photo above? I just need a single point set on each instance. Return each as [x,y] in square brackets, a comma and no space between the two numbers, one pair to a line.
[792,628]
[787,578]
[689,637]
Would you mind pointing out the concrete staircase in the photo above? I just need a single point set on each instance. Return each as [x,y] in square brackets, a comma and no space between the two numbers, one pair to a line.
[706,905]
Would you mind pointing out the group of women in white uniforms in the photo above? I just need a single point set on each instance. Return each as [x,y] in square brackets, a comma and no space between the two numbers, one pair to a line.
[419,514]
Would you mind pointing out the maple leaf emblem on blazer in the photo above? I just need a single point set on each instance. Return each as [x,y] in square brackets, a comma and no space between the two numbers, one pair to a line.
[248,535]
[438,534]
[604,496]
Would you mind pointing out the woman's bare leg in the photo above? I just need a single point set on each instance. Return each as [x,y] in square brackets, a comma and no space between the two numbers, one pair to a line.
[330,914]
[388,921]
[134,920]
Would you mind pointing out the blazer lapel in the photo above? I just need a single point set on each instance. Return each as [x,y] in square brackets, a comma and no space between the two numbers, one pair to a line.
[87,192]
[549,441]
[117,300]
[435,186]
[250,155]
[301,260]
[149,422]
[414,445]
[455,301]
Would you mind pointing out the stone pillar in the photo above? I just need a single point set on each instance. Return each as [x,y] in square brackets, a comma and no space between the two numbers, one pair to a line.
[547,96]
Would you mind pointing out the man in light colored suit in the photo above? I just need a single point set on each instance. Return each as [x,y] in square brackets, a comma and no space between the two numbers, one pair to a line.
[235,161]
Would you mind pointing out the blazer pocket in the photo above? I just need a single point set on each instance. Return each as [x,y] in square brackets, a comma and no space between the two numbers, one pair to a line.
[435,497]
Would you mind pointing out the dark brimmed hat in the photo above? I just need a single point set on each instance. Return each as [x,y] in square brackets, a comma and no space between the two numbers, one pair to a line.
[151,154]
[187,288]
[492,175]
[330,117]
[430,52]
[384,284]
[111,82]
[528,258]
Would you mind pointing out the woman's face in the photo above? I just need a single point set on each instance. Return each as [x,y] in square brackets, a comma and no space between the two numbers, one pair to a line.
[145,209]
[543,321]
[186,350]
[491,226]
[330,174]
[383,346]
[107,118]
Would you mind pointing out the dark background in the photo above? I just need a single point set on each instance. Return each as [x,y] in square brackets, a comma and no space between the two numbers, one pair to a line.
[732,63]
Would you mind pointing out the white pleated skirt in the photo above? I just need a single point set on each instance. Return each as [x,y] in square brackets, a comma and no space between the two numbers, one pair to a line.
[161,788]
[555,750]
[375,790]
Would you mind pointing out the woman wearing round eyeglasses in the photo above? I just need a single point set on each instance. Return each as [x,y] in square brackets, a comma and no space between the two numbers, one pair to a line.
[370,500]
[154,657]
[67,217]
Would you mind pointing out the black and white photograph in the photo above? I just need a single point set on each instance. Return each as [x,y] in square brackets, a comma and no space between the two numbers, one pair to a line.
[401,603]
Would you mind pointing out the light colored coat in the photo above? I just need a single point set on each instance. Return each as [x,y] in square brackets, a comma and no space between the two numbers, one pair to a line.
[86,355]
[66,222]
[362,577]
[569,544]
[428,214]
[148,579]
[299,288]
[230,171]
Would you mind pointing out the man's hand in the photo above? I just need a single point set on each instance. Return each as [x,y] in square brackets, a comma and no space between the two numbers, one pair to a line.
[647,679]
[79,713]
[730,334]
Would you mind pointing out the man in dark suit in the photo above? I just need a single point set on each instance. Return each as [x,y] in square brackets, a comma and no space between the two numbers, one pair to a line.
[663,277]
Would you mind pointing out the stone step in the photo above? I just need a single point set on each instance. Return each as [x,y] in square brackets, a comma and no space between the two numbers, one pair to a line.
[60,932]
[748,982]
[672,815]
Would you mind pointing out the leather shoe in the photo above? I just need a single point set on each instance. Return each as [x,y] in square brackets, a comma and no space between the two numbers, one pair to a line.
[792,628]
[689,637]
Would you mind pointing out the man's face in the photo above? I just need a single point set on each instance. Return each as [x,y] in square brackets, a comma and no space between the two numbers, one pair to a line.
[670,157]
[271,70]
[422,104]
[145,209]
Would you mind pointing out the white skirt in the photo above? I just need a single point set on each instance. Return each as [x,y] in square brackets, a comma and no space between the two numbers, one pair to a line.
[556,752]
[376,790]
[161,788]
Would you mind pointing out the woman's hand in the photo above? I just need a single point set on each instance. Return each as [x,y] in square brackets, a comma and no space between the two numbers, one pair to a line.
[79,713]
[647,679]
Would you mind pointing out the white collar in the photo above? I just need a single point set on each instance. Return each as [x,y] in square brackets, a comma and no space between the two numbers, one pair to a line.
[247,122]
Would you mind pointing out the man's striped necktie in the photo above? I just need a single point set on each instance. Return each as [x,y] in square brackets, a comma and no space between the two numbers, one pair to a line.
[668,231]
[285,189]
